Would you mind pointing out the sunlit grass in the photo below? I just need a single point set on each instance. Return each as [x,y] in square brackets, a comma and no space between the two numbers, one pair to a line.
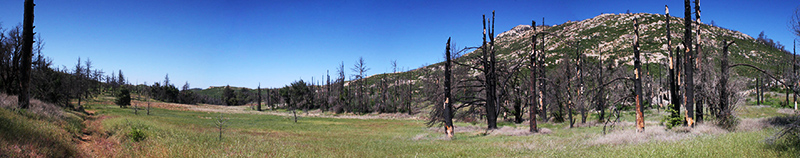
[192,134]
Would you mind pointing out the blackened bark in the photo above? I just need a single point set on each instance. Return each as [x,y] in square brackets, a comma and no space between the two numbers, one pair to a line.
[689,65]
[448,110]
[488,66]
[699,107]
[493,71]
[601,99]
[580,103]
[723,83]
[27,53]
[673,65]
[637,82]
[534,94]
[758,90]
[543,87]
[258,107]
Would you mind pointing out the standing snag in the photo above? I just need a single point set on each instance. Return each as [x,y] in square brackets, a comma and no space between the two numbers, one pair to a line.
[448,110]
[675,104]
[533,93]
[27,53]
[637,82]
[689,64]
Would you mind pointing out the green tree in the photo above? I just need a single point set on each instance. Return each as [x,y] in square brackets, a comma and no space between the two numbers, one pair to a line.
[123,97]
[229,96]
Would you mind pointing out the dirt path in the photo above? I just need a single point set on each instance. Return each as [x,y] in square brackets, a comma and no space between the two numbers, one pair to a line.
[94,142]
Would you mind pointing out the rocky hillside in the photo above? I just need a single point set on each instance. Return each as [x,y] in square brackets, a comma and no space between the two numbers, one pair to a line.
[610,37]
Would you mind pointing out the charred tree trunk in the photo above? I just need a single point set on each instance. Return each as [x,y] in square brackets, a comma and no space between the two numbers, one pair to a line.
[758,90]
[699,106]
[723,83]
[601,99]
[543,87]
[493,70]
[689,65]
[27,53]
[673,83]
[637,82]
[533,93]
[580,103]
[448,110]
[488,66]
[569,99]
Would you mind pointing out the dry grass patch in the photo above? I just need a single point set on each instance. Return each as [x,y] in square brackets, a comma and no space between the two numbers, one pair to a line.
[655,133]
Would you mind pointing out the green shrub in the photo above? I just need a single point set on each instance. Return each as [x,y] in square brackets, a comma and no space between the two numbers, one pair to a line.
[137,134]
[671,121]
[124,97]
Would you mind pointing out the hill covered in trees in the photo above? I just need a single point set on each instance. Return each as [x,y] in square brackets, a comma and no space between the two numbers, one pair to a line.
[603,45]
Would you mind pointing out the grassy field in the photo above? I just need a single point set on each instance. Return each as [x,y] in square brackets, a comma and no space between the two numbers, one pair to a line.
[186,133]
[176,130]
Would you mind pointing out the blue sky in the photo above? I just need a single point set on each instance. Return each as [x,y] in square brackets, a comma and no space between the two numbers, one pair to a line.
[244,43]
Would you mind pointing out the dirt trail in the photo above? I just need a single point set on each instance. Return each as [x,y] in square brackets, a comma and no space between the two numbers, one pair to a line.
[93,142]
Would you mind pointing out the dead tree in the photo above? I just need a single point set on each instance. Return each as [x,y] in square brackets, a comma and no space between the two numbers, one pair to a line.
[27,54]
[600,96]
[579,62]
[543,87]
[360,69]
[673,78]
[637,82]
[327,88]
[448,110]
[489,72]
[689,65]
[258,107]
[724,111]
[698,105]
[533,92]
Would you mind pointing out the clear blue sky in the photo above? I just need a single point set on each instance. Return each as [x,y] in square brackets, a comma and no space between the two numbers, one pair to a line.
[242,43]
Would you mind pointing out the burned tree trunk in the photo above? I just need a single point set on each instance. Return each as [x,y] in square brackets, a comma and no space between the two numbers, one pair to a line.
[758,90]
[699,106]
[533,93]
[27,53]
[601,92]
[543,87]
[448,110]
[580,103]
[724,111]
[258,107]
[673,65]
[689,65]
[637,82]
[489,74]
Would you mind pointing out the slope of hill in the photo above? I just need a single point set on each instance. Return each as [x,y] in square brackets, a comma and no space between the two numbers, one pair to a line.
[610,37]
